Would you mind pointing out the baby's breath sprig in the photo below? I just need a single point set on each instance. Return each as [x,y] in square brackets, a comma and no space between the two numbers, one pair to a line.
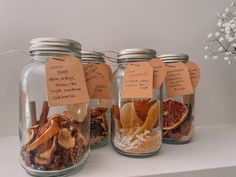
[222,43]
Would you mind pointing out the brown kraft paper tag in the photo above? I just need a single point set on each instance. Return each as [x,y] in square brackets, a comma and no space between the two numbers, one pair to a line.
[194,72]
[138,81]
[65,81]
[98,82]
[108,68]
[178,81]
[159,72]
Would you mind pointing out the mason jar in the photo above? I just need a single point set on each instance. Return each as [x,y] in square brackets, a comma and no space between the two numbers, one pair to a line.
[136,123]
[99,107]
[54,139]
[178,111]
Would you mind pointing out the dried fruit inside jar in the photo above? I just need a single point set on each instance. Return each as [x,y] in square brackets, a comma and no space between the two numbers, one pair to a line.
[56,142]
[136,127]
[99,129]
[178,120]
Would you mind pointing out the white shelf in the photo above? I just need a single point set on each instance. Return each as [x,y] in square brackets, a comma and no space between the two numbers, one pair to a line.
[211,153]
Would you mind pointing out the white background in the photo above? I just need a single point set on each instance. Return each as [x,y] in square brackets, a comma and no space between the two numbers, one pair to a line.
[169,26]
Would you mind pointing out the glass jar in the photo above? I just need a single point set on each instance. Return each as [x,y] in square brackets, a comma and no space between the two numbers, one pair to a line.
[135,130]
[99,108]
[52,143]
[178,111]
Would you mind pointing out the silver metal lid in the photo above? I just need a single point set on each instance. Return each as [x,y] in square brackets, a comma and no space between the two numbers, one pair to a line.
[54,44]
[92,56]
[135,54]
[173,58]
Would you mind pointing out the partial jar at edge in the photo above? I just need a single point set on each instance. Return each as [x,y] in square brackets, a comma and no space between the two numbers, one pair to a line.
[177,111]
[55,139]
[132,132]
[99,108]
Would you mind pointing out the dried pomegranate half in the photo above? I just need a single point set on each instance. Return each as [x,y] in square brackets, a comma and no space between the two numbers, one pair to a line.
[174,114]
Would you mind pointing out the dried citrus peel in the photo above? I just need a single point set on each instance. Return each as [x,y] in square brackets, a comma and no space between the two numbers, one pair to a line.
[45,158]
[152,118]
[115,113]
[142,107]
[48,134]
[128,116]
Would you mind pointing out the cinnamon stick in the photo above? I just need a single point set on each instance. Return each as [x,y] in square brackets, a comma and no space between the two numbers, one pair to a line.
[32,107]
[44,114]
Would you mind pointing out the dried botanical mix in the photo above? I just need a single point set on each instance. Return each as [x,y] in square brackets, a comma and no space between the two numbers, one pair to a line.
[56,142]
[136,125]
[98,126]
[177,121]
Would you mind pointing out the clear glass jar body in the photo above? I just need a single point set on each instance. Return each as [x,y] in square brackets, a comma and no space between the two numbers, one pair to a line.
[100,110]
[53,143]
[184,127]
[143,117]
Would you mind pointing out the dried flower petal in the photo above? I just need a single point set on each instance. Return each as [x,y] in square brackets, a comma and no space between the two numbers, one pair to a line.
[233,4]
[215,57]
[209,35]
[206,57]
[226,58]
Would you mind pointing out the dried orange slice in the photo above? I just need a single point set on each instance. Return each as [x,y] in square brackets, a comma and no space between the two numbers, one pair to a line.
[47,131]
[128,117]
[174,114]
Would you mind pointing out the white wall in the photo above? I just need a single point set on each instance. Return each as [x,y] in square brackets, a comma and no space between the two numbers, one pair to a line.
[168,26]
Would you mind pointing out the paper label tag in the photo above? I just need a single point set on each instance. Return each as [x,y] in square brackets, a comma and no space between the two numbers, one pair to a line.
[65,81]
[108,70]
[194,72]
[159,72]
[138,81]
[178,81]
[98,82]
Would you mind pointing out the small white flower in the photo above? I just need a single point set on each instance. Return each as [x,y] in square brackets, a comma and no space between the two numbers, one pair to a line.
[230,62]
[217,34]
[215,57]
[206,57]
[227,30]
[231,21]
[233,26]
[227,10]
[228,53]
[233,4]
[220,49]
[223,16]
[230,39]
[206,48]
[227,24]
[209,35]
[221,39]
[226,58]
[219,24]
